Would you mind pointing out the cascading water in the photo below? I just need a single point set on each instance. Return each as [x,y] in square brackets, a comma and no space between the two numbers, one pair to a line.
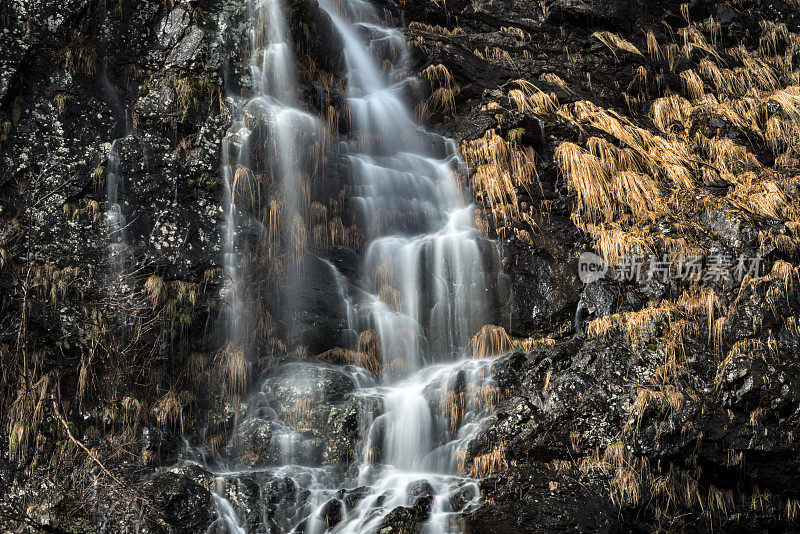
[115,219]
[117,250]
[424,290]
[273,107]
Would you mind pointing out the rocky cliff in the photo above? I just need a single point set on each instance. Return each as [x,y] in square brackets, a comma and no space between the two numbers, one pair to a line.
[664,138]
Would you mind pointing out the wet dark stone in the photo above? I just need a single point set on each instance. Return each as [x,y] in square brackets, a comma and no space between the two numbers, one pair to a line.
[420,489]
[320,316]
[163,446]
[172,27]
[354,496]
[331,513]
[462,496]
[401,520]
[185,504]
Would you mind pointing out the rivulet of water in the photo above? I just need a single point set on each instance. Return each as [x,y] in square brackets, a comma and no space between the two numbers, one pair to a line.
[424,289]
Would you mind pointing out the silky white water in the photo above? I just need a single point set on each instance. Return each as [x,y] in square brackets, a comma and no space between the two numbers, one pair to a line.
[424,289]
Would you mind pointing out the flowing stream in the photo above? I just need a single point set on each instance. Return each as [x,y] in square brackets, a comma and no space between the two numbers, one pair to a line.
[424,290]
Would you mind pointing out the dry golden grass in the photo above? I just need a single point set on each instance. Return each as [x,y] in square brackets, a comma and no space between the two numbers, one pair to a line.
[530,99]
[667,399]
[615,191]
[486,396]
[587,177]
[233,370]
[490,341]
[196,367]
[443,91]
[670,110]
[693,83]
[489,463]
[498,169]
[615,42]
[168,411]
[653,48]
[530,344]
[555,79]
[637,326]
[368,344]
[518,32]
[453,405]
[25,417]
[78,56]
[638,192]
[340,356]
[298,414]
[435,28]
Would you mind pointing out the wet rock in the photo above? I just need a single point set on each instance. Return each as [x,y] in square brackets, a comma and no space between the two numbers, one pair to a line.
[355,496]
[187,52]
[172,27]
[186,505]
[462,496]
[157,104]
[301,380]
[617,12]
[252,442]
[163,447]
[331,513]
[545,291]
[734,231]
[402,520]
[725,14]
[533,500]
[24,24]
[342,427]
[320,315]
[420,489]
[421,495]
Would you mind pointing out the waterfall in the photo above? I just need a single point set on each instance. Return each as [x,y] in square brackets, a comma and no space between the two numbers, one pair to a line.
[272,106]
[424,289]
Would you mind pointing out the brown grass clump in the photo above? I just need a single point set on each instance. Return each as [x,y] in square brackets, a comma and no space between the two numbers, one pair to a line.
[490,341]
[638,326]
[233,370]
[391,296]
[615,42]
[78,56]
[530,99]
[670,110]
[435,28]
[298,414]
[25,417]
[368,344]
[486,396]
[170,410]
[499,168]
[489,463]
[341,356]
[444,90]
[587,177]
[653,48]
[665,399]
[530,344]
[453,405]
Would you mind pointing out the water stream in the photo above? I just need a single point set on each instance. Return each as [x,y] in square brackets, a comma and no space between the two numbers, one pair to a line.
[424,290]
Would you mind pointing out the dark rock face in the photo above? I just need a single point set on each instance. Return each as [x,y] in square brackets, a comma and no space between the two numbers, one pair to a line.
[534,500]
[321,317]
[184,503]
[545,290]
[308,417]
